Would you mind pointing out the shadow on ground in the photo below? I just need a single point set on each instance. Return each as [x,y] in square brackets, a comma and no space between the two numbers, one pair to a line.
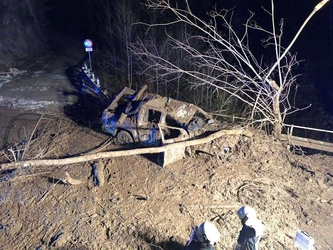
[152,240]
[88,109]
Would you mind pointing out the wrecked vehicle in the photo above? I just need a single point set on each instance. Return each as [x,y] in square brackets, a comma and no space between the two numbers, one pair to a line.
[152,120]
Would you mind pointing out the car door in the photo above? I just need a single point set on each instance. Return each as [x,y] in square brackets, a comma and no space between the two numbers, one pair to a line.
[147,126]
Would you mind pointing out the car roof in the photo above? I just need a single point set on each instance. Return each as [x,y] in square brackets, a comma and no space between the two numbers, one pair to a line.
[178,110]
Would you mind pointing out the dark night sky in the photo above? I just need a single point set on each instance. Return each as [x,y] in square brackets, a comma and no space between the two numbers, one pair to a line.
[314,45]
[81,18]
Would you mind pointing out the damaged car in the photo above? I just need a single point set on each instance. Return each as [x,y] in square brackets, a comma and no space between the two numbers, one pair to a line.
[152,120]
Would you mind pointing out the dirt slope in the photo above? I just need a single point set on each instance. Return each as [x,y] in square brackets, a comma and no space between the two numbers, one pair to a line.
[143,206]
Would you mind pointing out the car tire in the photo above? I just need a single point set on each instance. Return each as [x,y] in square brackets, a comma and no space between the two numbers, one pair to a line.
[124,138]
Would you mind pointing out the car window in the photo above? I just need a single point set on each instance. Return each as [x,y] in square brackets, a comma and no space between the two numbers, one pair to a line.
[171,122]
[154,116]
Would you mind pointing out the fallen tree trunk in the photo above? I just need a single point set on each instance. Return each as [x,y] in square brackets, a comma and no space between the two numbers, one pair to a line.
[110,154]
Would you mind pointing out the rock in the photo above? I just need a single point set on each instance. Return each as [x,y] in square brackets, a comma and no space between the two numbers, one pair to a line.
[100,171]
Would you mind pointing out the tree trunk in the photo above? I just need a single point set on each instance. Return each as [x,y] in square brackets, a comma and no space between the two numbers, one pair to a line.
[110,154]
[277,113]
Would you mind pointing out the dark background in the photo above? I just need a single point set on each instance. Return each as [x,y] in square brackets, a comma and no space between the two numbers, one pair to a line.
[25,25]
[83,18]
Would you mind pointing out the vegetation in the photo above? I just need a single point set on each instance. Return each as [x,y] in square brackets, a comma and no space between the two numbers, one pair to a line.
[211,57]
[212,60]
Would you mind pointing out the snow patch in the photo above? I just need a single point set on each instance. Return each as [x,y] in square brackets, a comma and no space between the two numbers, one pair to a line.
[59,77]
[16,71]
[25,103]
[5,79]
[37,73]
[9,75]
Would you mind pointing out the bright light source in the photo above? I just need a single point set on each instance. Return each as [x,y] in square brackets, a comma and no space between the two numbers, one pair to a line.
[88,43]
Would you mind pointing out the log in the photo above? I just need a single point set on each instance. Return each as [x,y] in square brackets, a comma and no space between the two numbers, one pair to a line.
[119,153]
[309,143]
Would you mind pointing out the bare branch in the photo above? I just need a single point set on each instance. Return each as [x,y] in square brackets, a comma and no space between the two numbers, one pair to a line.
[217,55]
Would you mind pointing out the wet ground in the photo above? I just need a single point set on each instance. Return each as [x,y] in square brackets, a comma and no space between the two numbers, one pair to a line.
[141,205]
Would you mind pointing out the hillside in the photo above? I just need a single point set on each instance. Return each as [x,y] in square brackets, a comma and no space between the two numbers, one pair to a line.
[144,206]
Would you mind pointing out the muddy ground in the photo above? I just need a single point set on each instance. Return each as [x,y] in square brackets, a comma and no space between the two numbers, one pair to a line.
[144,206]
[140,204]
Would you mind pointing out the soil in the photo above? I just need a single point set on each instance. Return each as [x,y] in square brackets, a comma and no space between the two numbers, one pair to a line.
[140,205]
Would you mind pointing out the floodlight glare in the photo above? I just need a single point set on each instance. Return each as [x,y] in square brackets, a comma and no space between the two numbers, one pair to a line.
[88,43]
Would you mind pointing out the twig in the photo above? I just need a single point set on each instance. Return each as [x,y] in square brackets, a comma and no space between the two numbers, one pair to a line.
[13,153]
[31,135]
[43,152]
[158,247]
[317,7]
[101,147]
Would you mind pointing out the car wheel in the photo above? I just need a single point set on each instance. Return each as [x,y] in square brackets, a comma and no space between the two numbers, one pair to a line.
[124,138]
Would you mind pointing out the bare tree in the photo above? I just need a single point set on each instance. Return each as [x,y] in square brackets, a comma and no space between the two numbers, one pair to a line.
[157,43]
[118,18]
[228,63]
